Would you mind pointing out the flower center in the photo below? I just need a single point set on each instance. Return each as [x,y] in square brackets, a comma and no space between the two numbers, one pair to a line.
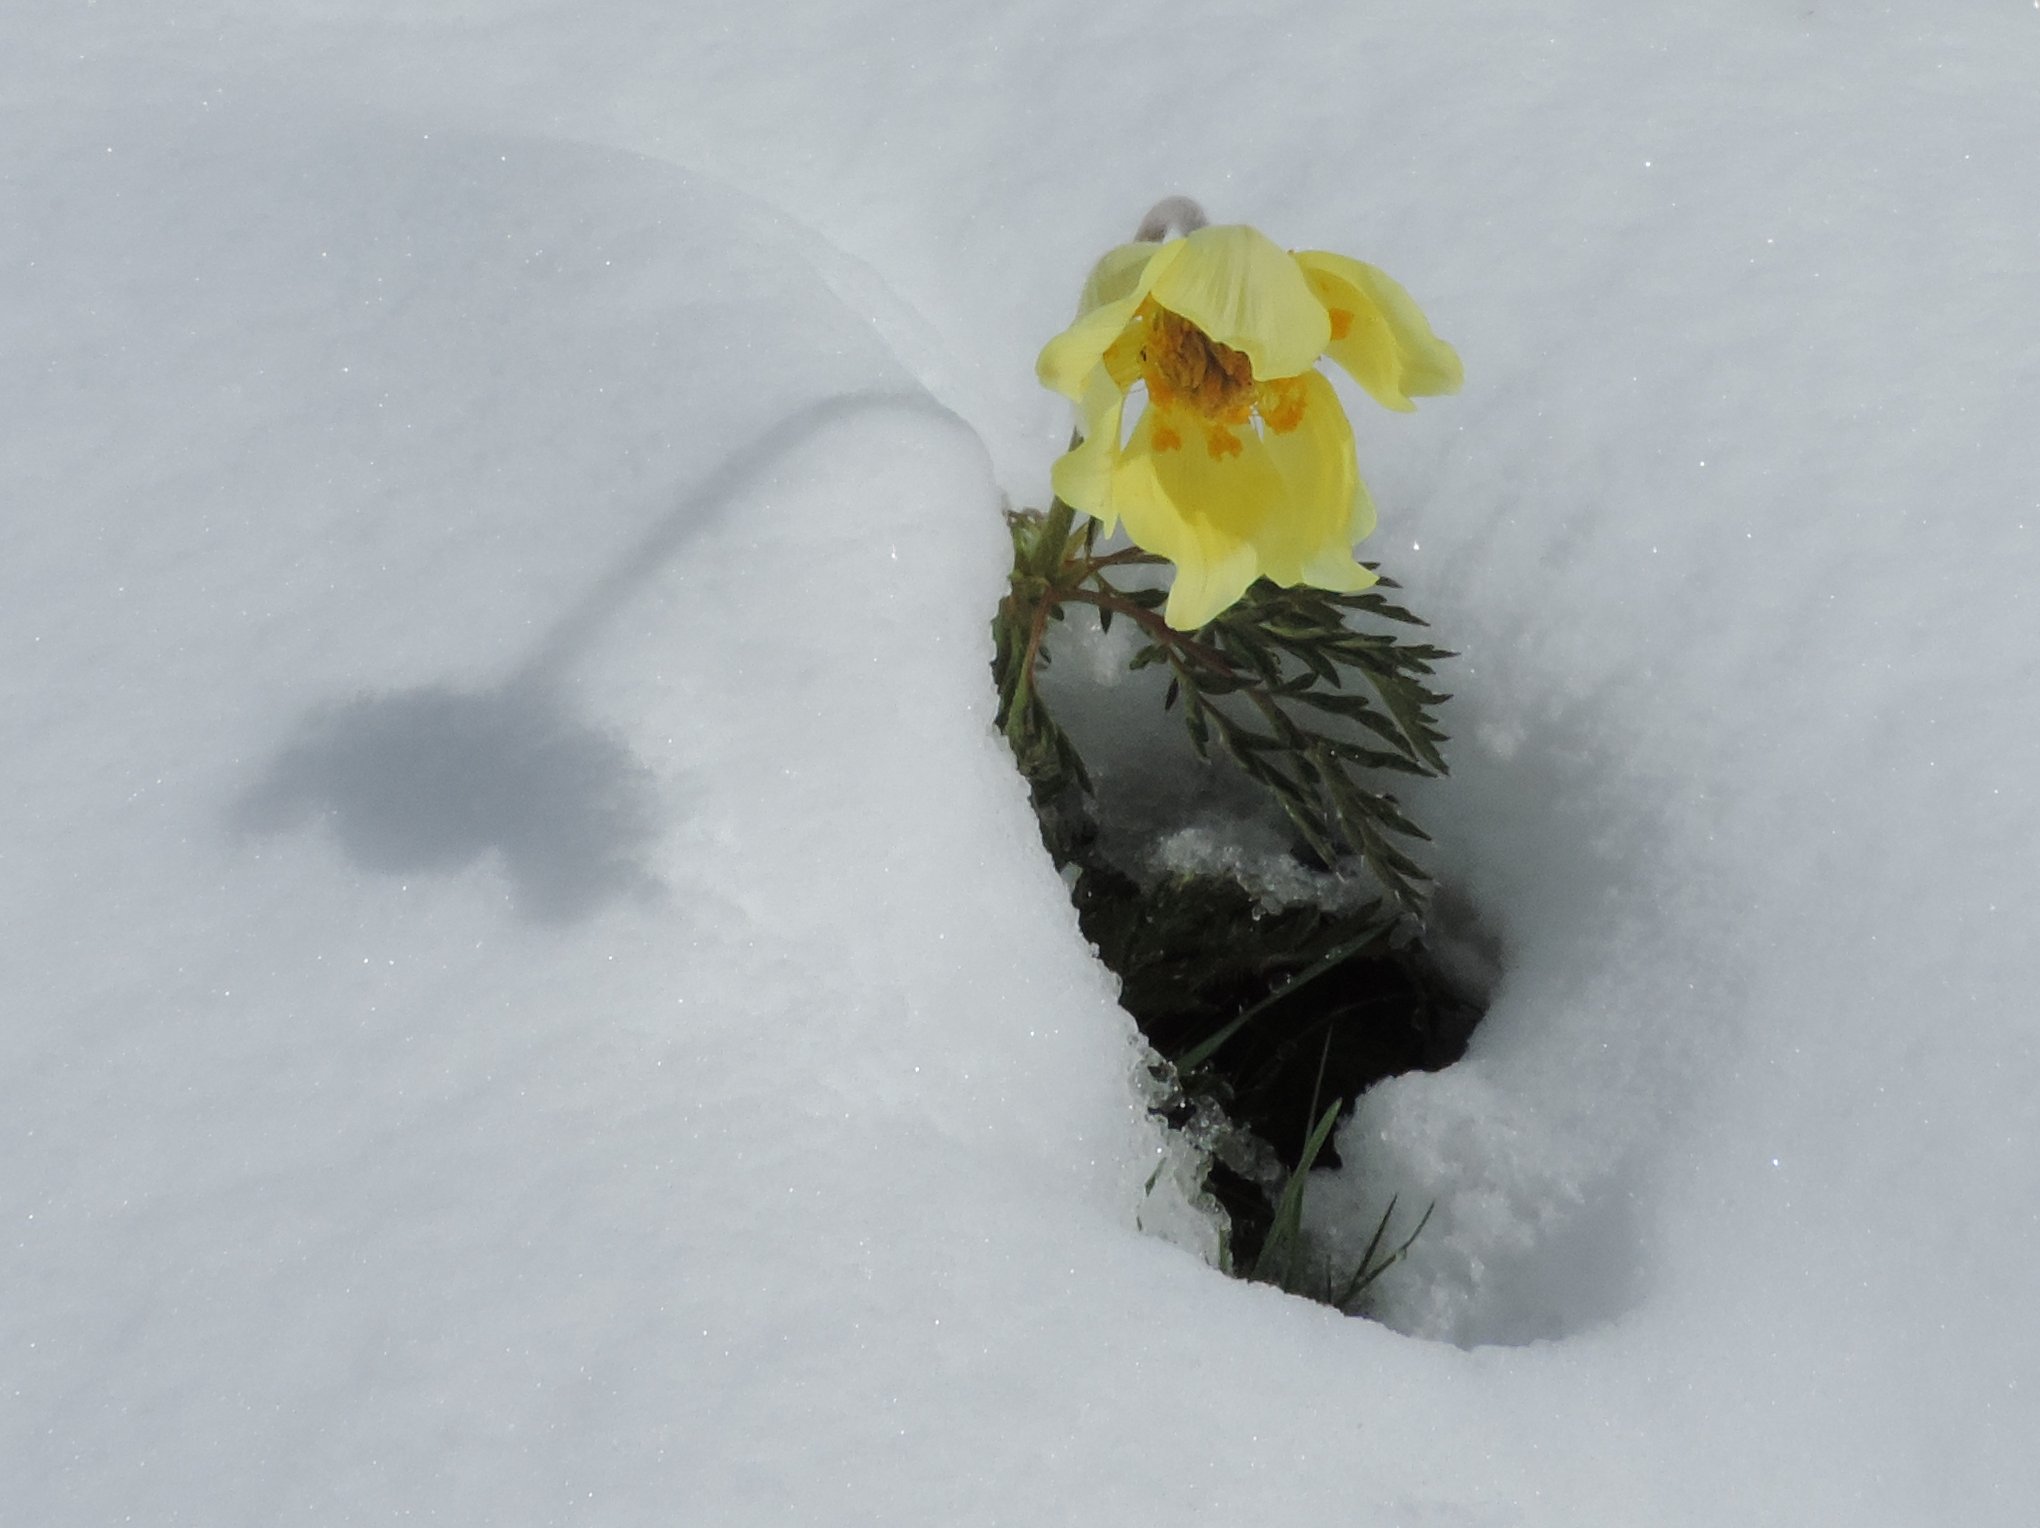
[1185,367]
[1194,383]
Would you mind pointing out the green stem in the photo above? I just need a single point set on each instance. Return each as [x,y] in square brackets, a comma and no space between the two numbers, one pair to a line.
[1054,541]
[1037,629]
[1125,556]
[1108,599]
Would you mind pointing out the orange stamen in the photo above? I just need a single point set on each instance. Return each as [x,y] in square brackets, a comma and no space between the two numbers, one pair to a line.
[1281,403]
[1181,363]
[1191,375]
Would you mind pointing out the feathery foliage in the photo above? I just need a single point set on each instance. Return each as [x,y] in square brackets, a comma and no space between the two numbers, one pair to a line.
[1311,707]
[1267,1022]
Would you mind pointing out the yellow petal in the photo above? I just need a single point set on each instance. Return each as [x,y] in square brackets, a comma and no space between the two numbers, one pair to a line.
[1201,508]
[1312,540]
[1247,292]
[1361,525]
[1115,275]
[1202,591]
[1388,345]
[1067,361]
[1338,572]
[1082,476]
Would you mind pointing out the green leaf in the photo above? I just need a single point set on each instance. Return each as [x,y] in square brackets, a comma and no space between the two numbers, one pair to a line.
[1275,1265]
[1372,758]
[1366,1271]
[1202,1052]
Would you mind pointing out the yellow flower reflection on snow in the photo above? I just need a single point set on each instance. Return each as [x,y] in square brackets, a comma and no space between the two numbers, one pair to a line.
[1241,465]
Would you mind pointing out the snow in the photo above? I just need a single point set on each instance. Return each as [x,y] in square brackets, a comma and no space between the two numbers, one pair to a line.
[530,991]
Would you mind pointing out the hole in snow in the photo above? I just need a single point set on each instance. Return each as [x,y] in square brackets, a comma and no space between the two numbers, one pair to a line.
[1540,1146]
[1273,990]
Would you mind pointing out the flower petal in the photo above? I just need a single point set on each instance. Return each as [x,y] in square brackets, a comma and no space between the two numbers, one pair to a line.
[1338,572]
[1311,542]
[1115,275]
[1202,591]
[1082,476]
[1247,292]
[1388,345]
[1201,507]
[1067,361]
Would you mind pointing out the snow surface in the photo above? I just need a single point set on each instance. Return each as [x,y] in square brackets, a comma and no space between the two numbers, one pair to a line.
[530,992]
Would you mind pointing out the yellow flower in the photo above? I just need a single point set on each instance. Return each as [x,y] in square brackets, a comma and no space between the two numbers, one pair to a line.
[1242,464]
